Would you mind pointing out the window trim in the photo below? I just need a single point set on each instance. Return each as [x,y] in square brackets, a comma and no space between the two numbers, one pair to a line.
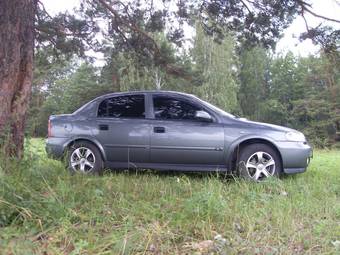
[186,100]
[122,118]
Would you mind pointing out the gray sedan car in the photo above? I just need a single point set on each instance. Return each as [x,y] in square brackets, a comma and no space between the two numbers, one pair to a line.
[166,130]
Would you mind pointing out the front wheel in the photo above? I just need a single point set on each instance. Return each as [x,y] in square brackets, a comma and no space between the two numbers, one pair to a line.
[85,158]
[258,162]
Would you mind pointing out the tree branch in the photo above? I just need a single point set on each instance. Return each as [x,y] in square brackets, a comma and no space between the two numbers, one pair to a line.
[305,8]
[245,5]
[170,69]
[43,9]
[126,23]
[321,17]
[304,18]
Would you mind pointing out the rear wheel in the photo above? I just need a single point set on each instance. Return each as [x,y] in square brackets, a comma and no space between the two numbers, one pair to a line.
[258,162]
[85,158]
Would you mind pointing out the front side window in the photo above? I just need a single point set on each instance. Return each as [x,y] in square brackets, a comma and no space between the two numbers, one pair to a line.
[131,106]
[168,108]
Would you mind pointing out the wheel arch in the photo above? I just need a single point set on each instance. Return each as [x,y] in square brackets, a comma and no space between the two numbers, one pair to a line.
[237,146]
[86,139]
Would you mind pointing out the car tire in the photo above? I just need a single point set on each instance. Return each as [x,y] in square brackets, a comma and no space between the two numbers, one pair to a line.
[85,158]
[258,161]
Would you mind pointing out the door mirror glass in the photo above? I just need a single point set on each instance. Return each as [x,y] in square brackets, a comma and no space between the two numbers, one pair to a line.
[203,116]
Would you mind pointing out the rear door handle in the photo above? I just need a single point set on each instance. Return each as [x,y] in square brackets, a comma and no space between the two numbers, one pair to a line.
[103,127]
[159,129]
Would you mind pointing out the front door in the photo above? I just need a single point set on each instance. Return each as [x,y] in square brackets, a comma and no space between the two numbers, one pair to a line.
[177,137]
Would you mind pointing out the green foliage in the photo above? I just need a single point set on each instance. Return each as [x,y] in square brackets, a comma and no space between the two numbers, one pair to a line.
[128,27]
[64,94]
[228,65]
[301,93]
[45,209]
[217,64]
[129,73]
[82,86]
[272,111]
[49,71]
[286,79]
[254,78]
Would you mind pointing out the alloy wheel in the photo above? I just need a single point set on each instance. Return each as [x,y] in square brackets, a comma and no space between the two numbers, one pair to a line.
[260,166]
[82,160]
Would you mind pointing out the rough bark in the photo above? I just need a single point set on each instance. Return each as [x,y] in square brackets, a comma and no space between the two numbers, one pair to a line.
[115,82]
[16,70]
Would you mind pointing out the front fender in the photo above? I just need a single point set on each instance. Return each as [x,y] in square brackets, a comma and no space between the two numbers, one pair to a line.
[231,148]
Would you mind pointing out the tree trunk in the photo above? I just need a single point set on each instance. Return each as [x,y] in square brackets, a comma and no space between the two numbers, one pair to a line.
[16,70]
[115,81]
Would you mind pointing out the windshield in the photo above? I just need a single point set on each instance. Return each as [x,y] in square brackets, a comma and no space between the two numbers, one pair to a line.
[216,109]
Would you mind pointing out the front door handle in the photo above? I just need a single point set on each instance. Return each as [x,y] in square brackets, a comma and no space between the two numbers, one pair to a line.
[103,127]
[159,129]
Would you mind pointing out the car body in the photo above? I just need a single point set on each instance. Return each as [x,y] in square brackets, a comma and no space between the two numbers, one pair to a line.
[168,130]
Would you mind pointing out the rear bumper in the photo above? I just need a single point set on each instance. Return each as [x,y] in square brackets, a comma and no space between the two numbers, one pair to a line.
[295,156]
[55,147]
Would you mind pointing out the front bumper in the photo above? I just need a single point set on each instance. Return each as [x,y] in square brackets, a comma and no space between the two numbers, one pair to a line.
[295,156]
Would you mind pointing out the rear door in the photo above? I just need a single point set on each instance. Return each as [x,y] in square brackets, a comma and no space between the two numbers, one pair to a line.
[122,129]
[177,137]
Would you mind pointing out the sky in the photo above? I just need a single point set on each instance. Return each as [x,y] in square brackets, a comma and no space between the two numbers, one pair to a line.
[289,42]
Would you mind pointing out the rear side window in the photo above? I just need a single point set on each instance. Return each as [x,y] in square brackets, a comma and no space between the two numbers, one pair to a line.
[168,108]
[131,106]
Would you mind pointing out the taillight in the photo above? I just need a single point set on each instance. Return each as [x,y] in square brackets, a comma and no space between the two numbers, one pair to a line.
[49,130]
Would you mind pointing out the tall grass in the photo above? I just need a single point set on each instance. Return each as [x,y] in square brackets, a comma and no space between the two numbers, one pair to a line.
[44,209]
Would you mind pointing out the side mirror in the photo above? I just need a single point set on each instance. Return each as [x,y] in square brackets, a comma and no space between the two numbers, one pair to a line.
[203,116]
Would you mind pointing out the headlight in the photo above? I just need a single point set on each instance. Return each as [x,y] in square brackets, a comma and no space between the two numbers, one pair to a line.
[295,137]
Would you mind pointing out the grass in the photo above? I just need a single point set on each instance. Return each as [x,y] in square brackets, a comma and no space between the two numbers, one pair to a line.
[44,210]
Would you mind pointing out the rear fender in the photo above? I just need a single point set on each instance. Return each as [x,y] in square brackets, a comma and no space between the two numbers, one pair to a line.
[90,139]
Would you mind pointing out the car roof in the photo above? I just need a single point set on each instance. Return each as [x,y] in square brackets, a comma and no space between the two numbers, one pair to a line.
[165,92]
